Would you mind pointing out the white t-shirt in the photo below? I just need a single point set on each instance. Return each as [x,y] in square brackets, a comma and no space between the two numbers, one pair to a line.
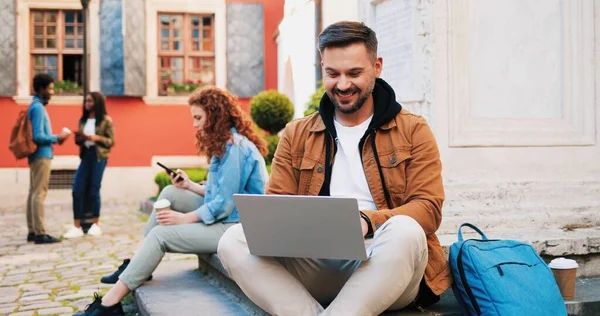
[348,176]
[89,129]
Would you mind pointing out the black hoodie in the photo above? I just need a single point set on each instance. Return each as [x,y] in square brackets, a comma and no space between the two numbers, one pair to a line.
[385,109]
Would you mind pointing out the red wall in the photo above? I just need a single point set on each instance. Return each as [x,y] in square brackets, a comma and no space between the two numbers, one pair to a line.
[141,131]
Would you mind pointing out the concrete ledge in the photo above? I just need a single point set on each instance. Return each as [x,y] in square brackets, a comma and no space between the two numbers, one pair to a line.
[581,244]
[178,288]
[210,264]
[587,301]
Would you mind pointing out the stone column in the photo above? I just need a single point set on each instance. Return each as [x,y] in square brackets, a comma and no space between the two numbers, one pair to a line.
[245,49]
[8,48]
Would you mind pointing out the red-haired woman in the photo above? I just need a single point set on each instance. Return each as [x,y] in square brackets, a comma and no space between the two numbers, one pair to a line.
[199,214]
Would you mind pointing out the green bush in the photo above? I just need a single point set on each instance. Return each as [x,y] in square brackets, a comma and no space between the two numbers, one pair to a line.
[272,141]
[271,110]
[312,105]
[162,178]
[67,87]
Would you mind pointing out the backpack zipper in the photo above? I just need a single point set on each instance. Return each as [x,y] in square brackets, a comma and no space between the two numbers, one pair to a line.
[463,277]
[499,268]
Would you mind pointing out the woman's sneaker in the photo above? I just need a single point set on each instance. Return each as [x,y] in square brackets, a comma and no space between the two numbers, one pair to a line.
[95,230]
[97,309]
[113,278]
[73,232]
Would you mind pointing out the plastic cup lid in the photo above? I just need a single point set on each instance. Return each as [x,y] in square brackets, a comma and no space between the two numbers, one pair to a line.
[563,263]
[162,204]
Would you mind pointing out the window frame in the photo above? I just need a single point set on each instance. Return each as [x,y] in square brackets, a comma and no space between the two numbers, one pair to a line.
[187,53]
[60,36]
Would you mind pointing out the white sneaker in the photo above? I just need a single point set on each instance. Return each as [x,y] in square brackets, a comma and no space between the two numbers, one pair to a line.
[73,232]
[95,230]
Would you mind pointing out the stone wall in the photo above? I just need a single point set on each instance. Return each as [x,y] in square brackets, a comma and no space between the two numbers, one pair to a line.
[245,49]
[8,48]
[135,47]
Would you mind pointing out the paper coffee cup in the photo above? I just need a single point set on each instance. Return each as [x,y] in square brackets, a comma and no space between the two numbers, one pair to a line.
[565,273]
[162,204]
[66,130]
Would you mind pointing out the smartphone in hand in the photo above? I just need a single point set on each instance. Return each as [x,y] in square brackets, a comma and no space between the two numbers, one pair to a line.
[170,172]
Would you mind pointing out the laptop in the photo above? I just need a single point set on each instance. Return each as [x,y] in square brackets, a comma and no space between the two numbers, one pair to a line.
[296,226]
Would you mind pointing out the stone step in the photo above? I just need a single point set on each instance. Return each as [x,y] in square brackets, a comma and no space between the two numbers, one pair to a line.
[533,204]
[178,288]
[524,218]
[586,303]
[580,244]
[524,204]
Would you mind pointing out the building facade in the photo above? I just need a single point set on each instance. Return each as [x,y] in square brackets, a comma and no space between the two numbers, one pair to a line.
[145,56]
[510,88]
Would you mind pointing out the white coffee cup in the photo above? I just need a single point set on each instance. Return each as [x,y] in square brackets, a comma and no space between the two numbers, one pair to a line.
[66,130]
[162,205]
[565,273]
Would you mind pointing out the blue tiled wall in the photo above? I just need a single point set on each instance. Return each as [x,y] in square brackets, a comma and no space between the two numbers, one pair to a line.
[111,48]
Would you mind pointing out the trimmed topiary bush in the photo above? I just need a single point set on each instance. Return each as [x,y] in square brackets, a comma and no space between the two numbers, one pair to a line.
[271,111]
[272,141]
[312,105]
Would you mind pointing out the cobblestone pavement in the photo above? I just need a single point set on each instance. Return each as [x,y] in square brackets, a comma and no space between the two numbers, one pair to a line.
[60,279]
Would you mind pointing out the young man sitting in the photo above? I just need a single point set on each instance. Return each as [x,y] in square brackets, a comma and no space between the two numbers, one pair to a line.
[360,144]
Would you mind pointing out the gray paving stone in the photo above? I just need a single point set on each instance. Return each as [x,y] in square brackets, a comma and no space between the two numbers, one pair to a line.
[8,308]
[43,268]
[46,304]
[42,274]
[8,298]
[65,292]
[30,286]
[35,293]
[56,285]
[82,303]
[27,303]
[34,298]
[9,290]
[97,286]
[83,281]
[16,243]
[73,264]
[44,279]
[17,271]
[45,274]
[6,305]
[28,313]
[15,280]
[78,295]
[102,268]
[55,310]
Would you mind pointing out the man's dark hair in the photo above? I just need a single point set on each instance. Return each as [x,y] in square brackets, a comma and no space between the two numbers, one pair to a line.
[342,34]
[41,81]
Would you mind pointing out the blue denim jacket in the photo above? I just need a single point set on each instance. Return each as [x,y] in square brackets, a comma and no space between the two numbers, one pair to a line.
[42,130]
[242,169]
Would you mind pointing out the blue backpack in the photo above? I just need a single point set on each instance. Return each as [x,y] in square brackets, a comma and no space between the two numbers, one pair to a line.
[502,277]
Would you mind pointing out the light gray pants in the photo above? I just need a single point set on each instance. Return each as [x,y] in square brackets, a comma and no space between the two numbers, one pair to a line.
[388,280]
[195,238]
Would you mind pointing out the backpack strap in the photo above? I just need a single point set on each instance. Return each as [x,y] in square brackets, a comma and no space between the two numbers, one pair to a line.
[460,236]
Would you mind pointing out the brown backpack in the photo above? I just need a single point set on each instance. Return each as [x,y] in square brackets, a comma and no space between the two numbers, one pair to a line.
[21,137]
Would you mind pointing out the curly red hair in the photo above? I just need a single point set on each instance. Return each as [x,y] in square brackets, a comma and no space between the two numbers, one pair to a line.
[223,112]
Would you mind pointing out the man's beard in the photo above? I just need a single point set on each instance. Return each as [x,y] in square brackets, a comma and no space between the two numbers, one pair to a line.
[362,98]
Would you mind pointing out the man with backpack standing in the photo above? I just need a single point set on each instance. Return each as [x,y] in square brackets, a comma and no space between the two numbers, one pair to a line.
[39,161]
